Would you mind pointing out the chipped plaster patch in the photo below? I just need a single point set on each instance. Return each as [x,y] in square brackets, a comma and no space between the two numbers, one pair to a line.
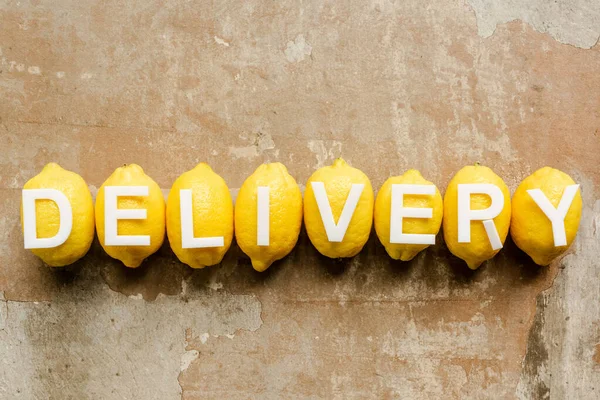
[213,284]
[139,347]
[187,358]
[324,154]
[298,49]
[220,41]
[574,22]
[263,141]
[204,337]
[473,143]
[243,152]
[563,335]
[468,339]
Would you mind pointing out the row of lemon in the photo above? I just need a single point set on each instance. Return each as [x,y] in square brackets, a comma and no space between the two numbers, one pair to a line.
[213,215]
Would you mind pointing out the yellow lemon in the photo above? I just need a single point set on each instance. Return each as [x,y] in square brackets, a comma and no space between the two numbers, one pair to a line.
[212,215]
[479,249]
[284,218]
[153,225]
[383,209]
[530,228]
[338,180]
[53,176]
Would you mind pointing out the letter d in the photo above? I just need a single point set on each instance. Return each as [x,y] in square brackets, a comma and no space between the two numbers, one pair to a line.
[30,218]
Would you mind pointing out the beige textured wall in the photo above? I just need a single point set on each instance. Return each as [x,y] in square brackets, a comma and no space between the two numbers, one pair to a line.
[388,85]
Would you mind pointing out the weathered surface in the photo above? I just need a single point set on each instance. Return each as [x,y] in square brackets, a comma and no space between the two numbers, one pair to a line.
[388,86]
[573,22]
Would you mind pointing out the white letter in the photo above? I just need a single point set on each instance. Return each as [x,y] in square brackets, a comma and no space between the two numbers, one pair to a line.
[335,232]
[188,241]
[466,215]
[399,212]
[112,214]
[262,217]
[556,215]
[30,222]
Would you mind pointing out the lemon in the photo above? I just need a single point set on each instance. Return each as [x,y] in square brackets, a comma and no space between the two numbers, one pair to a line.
[338,179]
[479,249]
[285,215]
[153,226]
[530,228]
[212,215]
[53,176]
[383,208]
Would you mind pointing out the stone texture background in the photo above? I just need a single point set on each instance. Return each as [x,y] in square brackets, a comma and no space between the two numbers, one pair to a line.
[388,85]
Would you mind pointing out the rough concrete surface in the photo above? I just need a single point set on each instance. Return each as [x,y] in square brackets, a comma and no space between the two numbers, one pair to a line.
[388,85]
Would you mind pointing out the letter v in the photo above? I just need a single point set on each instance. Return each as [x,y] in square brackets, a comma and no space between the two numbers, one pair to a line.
[335,232]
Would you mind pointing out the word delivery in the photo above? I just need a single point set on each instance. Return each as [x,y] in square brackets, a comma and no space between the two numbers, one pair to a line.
[339,208]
